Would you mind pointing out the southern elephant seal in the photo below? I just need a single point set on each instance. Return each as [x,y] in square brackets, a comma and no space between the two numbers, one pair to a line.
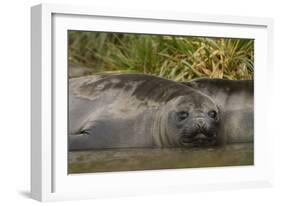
[137,110]
[235,99]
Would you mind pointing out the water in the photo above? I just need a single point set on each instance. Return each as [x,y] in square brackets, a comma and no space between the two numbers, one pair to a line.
[149,159]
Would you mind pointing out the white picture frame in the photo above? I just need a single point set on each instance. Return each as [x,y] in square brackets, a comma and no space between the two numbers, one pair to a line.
[49,178]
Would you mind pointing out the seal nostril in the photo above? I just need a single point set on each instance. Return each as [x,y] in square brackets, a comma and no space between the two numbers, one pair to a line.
[201,122]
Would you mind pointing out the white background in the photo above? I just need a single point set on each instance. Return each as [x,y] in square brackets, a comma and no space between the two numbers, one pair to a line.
[164,181]
[15,102]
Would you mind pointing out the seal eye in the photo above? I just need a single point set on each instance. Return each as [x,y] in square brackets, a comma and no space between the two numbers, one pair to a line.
[182,115]
[212,114]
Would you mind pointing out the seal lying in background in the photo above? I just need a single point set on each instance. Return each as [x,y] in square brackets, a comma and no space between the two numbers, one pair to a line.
[137,110]
[235,98]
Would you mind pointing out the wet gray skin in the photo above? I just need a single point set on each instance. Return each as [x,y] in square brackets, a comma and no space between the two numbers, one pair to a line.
[136,110]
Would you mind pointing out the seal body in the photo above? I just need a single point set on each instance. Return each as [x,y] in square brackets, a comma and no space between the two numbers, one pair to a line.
[137,110]
[235,99]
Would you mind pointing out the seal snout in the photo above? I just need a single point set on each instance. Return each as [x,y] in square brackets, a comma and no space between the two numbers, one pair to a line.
[199,140]
[202,135]
[200,123]
[203,140]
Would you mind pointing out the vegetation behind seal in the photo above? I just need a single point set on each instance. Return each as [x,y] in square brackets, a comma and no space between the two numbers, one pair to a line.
[173,57]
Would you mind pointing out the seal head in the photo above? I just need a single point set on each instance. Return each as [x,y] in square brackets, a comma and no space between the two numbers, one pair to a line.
[188,121]
[235,98]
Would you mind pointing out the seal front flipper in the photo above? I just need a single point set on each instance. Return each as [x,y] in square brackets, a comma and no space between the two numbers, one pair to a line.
[103,135]
[95,137]
[78,141]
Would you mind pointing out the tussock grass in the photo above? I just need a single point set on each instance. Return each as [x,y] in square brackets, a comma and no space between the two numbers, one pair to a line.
[172,57]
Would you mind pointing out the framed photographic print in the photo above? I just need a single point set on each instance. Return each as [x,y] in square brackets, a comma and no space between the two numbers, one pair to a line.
[136,102]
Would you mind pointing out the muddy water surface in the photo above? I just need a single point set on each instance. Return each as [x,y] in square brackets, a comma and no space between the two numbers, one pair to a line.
[148,159]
